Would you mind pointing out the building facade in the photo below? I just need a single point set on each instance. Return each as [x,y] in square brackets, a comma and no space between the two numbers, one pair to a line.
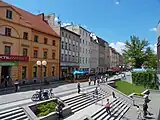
[101,50]
[107,59]
[24,39]
[84,46]
[94,56]
[70,45]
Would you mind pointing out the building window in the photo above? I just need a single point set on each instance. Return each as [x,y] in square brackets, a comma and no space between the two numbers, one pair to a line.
[66,35]
[25,35]
[7,50]
[45,40]
[35,53]
[62,57]
[62,45]
[86,60]
[73,58]
[25,51]
[53,70]
[8,14]
[53,55]
[86,51]
[83,60]
[8,31]
[62,34]
[65,57]
[36,38]
[69,47]
[24,72]
[73,47]
[80,60]
[69,58]
[83,41]
[86,42]
[53,42]
[35,71]
[45,71]
[45,54]
[66,46]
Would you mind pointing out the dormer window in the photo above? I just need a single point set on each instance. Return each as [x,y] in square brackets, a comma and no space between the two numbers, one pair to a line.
[8,14]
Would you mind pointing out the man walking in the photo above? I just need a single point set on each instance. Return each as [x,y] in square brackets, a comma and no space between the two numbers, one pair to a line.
[79,87]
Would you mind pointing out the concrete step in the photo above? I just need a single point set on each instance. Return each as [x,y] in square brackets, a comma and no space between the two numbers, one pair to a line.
[102,112]
[84,100]
[13,114]
[118,108]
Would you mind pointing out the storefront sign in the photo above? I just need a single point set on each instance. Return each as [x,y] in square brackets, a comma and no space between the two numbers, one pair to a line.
[13,58]
[8,63]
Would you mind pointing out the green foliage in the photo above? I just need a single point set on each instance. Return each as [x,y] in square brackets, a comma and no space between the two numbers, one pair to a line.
[46,108]
[147,79]
[128,88]
[138,53]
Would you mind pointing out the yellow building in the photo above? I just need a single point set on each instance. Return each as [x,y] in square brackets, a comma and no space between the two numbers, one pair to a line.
[24,39]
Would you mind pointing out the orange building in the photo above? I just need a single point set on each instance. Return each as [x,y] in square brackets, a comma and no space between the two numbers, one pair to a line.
[24,39]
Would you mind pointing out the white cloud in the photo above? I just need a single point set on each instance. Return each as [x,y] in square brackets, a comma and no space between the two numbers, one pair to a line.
[56,19]
[117,3]
[154,47]
[153,29]
[119,46]
[65,24]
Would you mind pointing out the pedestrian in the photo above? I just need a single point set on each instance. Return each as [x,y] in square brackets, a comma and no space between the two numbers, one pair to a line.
[6,82]
[79,87]
[59,111]
[113,94]
[95,81]
[89,81]
[16,84]
[96,92]
[139,113]
[108,107]
[145,107]
[98,81]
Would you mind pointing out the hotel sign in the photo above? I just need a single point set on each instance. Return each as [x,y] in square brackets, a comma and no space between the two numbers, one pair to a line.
[13,58]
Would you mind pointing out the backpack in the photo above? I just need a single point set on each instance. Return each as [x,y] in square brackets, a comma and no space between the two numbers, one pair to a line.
[107,105]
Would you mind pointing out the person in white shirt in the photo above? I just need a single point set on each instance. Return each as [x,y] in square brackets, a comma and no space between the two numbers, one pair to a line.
[139,113]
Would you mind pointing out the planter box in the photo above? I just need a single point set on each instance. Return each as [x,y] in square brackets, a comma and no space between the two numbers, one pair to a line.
[31,109]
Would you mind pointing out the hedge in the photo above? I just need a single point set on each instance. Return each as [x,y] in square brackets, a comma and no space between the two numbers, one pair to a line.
[147,79]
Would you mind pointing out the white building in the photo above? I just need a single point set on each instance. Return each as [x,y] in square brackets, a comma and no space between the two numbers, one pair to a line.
[94,55]
[84,46]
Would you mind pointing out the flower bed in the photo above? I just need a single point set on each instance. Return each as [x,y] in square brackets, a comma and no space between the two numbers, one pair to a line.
[46,108]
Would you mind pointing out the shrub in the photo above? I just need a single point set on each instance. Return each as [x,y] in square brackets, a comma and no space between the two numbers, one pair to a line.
[147,79]
[46,108]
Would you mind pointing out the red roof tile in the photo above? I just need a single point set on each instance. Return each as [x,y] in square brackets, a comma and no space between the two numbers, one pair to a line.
[37,23]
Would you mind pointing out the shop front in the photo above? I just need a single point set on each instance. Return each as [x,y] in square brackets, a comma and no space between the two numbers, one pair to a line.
[9,64]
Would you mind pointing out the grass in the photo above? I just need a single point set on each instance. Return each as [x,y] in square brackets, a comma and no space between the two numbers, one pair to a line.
[128,88]
[46,108]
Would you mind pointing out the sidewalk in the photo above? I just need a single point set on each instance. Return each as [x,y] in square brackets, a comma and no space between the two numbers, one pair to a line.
[62,95]
[32,87]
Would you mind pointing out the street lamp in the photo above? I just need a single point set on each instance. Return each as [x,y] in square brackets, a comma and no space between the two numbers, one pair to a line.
[41,64]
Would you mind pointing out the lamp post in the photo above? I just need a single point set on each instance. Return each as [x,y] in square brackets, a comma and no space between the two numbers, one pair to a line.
[41,64]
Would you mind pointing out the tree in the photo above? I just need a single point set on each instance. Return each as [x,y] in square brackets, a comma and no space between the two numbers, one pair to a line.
[135,51]
[151,58]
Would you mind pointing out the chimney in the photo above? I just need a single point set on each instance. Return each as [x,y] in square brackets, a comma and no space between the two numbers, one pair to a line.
[41,16]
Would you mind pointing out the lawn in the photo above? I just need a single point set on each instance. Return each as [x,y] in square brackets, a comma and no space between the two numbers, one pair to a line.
[128,88]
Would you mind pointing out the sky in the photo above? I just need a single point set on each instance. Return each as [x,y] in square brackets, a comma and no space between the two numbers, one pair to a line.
[113,20]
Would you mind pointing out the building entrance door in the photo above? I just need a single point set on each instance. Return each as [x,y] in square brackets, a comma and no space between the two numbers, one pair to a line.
[6,71]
